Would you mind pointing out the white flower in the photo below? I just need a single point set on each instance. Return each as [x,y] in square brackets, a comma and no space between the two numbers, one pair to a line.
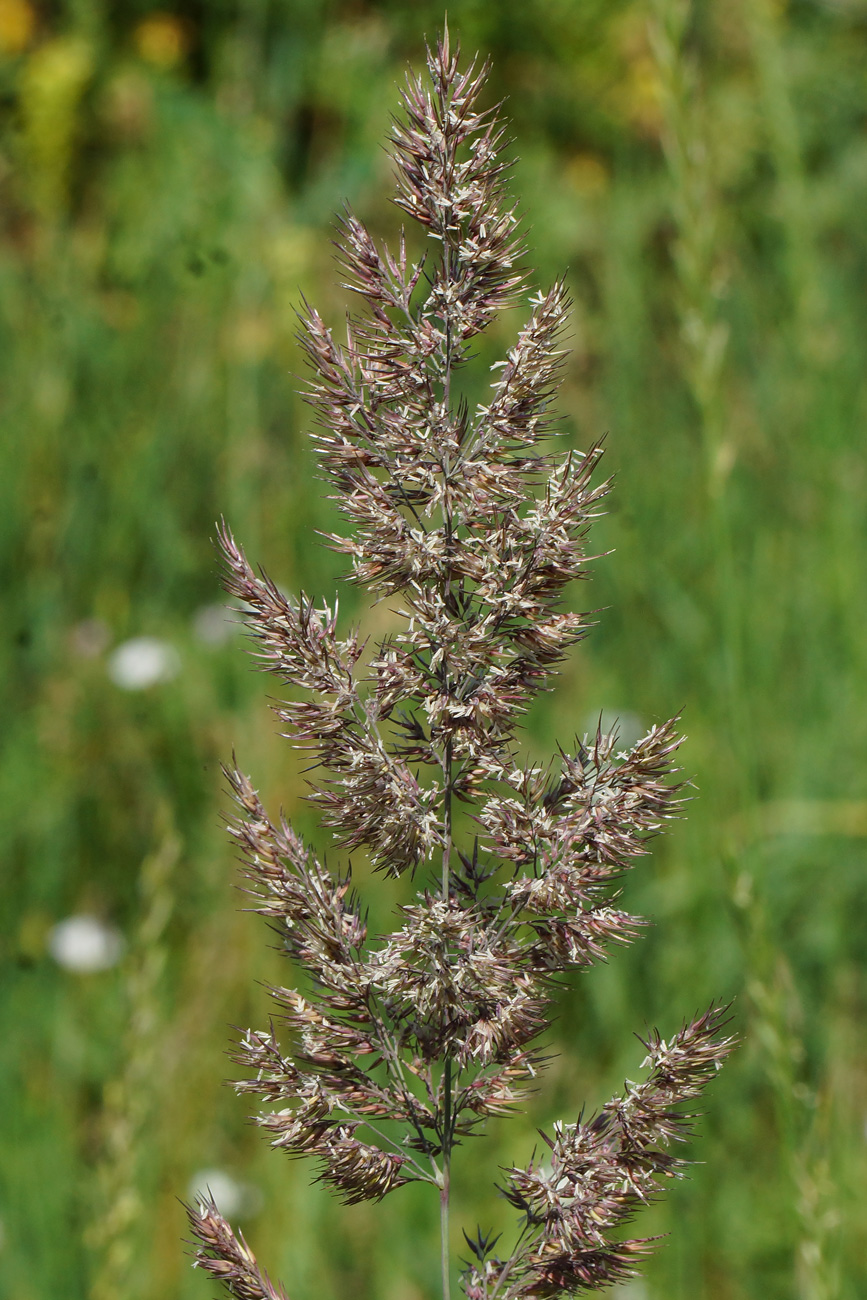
[231,1197]
[214,625]
[143,662]
[85,944]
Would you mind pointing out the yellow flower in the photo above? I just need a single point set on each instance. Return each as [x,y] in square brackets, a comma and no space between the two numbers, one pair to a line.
[161,39]
[17,25]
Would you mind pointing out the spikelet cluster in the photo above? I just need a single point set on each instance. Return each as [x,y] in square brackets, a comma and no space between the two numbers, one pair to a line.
[402,1045]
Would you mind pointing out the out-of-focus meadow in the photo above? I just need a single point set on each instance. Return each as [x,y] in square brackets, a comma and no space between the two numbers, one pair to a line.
[168,181]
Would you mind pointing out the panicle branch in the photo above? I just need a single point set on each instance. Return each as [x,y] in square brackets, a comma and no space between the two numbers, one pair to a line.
[226,1256]
[599,1172]
[450,181]
[373,798]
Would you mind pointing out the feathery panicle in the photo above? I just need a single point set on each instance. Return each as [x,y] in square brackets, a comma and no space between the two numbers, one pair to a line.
[401,1046]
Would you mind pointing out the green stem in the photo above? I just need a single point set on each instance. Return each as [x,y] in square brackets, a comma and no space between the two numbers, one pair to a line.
[447,819]
[444,1217]
[447,1120]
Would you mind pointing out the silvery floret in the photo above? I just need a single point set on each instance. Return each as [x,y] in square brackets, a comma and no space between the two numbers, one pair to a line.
[401,1045]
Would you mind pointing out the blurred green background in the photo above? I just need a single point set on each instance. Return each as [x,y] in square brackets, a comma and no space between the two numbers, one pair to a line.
[168,182]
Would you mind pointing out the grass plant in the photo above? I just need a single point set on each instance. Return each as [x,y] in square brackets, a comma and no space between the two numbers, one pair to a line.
[167,199]
[477,530]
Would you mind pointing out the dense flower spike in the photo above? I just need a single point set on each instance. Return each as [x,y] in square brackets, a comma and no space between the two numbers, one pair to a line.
[600,1172]
[226,1256]
[399,1047]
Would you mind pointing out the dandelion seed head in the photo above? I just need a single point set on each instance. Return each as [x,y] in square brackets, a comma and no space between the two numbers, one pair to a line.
[143,662]
[84,944]
[215,625]
[227,1192]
